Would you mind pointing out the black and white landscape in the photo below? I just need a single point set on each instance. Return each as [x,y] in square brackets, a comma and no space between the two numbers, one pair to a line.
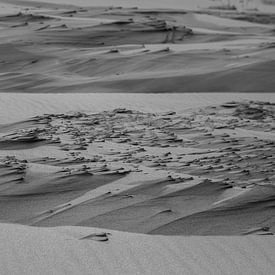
[137,137]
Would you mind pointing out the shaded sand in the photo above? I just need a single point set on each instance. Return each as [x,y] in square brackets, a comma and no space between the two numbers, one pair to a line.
[71,250]
[204,171]
[57,48]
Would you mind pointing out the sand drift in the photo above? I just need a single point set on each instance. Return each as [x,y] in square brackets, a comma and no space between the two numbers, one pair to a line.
[207,172]
[137,137]
[58,48]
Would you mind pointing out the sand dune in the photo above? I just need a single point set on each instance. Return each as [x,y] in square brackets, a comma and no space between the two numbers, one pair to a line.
[110,170]
[149,117]
[65,48]
[15,107]
[64,251]
[174,4]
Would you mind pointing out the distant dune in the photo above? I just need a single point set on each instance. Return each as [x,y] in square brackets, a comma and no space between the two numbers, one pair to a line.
[137,137]
[176,4]
[65,49]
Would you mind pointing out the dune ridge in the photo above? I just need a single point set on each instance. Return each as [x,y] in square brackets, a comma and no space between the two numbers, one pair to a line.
[62,48]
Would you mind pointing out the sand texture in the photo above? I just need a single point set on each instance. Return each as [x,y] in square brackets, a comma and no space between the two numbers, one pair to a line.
[209,171]
[79,250]
[137,137]
[63,48]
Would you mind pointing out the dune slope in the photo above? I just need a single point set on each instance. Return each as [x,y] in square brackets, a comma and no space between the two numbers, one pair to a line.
[206,171]
[59,48]
[70,250]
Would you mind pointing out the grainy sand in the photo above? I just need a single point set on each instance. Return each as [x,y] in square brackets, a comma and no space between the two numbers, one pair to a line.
[15,106]
[61,49]
[75,250]
[206,171]
[136,140]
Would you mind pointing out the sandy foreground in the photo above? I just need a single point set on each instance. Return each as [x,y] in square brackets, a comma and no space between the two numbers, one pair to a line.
[130,141]
[76,250]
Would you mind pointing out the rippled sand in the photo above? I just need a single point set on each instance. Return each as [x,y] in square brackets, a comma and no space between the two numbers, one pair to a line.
[202,172]
[131,141]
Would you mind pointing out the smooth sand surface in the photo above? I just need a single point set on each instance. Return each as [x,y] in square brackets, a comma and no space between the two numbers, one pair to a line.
[189,4]
[15,106]
[80,250]
[172,4]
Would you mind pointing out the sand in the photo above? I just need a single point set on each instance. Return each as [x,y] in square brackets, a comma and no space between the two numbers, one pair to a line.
[262,5]
[137,139]
[71,250]
[203,171]
[15,107]
[58,48]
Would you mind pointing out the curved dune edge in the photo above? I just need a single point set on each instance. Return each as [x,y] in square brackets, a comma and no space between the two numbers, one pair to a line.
[56,48]
[81,250]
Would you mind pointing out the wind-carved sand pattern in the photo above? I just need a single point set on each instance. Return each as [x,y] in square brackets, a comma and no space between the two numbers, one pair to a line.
[137,137]
[209,171]
[59,48]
